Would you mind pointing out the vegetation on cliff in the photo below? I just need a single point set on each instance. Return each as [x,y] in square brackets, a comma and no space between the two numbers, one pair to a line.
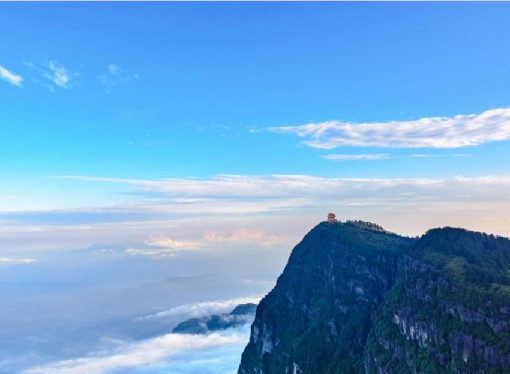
[355,298]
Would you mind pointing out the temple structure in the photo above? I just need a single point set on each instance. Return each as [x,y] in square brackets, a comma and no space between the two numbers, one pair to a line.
[331,218]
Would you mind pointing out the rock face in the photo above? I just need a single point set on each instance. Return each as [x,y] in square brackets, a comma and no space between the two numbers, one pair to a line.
[355,298]
[448,311]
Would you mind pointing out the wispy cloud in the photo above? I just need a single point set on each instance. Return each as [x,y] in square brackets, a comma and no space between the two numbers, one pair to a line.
[384,156]
[15,261]
[432,132]
[59,75]
[365,157]
[419,155]
[202,191]
[115,77]
[9,76]
[53,74]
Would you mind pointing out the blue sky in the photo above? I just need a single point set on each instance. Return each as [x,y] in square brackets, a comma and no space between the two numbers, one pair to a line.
[148,141]
[177,90]
[187,83]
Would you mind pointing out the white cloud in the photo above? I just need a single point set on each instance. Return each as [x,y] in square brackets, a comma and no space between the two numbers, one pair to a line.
[368,157]
[14,79]
[214,353]
[159,351]
[15,261]
[54,73]
[163,241]
[433,132]
[58,74]
[201,309]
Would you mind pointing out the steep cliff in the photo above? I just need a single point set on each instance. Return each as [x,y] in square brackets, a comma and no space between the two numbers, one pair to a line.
[355,298]
[449,311]
[318,316]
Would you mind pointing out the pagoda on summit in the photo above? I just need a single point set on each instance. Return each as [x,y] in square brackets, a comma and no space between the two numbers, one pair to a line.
[332,218]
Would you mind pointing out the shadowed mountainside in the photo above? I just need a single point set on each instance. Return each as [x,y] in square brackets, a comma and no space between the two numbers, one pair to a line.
[355,298]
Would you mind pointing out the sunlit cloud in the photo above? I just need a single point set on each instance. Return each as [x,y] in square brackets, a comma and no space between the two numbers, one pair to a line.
[236,210]
[9,76]
[431,132]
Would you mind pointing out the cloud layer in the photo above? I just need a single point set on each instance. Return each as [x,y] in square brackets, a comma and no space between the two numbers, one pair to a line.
[432,132]
[213,353]
[201,309]
[160,351]
[271,191]
[170,216]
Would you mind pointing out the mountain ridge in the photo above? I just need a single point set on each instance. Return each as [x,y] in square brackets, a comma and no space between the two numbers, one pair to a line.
[355,298]
[240,315]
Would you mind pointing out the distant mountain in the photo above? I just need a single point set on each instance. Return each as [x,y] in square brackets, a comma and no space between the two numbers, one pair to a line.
[355,298]
[241,315]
